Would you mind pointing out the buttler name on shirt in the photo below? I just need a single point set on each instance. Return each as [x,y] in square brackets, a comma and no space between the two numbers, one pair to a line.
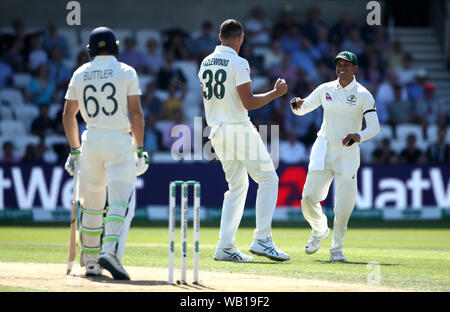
[97,74]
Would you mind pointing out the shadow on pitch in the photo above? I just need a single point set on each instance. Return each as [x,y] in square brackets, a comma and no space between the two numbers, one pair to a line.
[108,280]
[355,262]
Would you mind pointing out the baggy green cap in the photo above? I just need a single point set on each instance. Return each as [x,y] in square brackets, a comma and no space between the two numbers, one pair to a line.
[348,56]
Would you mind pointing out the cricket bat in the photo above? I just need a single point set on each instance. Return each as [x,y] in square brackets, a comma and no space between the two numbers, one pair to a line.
[73,222]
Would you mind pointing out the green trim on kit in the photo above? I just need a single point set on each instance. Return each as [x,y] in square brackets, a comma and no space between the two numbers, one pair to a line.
[92,232]
[110,239]
[92,212]
[118,219]
[92,251]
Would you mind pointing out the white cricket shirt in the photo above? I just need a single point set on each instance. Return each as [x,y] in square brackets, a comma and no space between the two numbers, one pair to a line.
[343,108]
[101,88]
[220,73]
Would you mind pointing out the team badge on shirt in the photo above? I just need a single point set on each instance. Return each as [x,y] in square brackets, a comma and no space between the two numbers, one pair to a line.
[351,100]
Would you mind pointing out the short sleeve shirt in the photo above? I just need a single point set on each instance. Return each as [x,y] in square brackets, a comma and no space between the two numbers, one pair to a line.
[101,88]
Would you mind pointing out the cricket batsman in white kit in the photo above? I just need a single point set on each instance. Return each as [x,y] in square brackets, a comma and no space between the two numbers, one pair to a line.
[335,153]
[228,95]
[106,92]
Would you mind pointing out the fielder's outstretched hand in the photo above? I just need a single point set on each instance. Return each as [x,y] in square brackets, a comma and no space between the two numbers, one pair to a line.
[141,161]
[74,156]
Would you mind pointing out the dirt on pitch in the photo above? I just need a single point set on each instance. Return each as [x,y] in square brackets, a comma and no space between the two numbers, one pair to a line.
[52,277]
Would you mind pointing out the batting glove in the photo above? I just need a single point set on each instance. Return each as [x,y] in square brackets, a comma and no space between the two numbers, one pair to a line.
[74,156]
[141,161]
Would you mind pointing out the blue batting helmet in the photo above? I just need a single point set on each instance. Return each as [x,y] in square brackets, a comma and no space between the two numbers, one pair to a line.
[102,39]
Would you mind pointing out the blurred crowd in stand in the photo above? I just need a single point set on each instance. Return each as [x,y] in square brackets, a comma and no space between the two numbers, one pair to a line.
[36,65]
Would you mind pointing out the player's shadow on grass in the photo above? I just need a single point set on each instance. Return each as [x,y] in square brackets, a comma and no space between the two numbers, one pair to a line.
[355,262]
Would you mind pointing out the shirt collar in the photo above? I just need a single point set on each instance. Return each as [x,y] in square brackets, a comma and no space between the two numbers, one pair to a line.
[221,48]
[347,87]
[104,58]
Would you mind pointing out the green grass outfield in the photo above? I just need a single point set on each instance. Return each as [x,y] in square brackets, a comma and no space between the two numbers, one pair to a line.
[409,255]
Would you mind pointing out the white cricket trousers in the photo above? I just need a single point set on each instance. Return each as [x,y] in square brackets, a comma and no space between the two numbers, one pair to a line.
[342,163]
[242,153]
[107,172]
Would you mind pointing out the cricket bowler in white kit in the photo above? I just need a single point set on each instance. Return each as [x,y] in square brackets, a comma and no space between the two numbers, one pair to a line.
[335,153]
[106,92]
[228,95]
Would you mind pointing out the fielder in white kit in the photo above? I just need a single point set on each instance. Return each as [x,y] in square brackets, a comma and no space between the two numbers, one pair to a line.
[107,94]
[228,95]
[335,153]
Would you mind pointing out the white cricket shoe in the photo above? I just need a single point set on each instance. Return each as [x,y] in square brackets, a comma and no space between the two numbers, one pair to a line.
[314,242]
[267,248]
[337,256]
[231,254]
[93,269]
[114,267]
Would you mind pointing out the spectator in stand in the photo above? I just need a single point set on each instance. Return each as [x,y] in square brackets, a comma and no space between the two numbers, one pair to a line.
[42,87]
[373,72]
[291,39]
[168,139]
[6,75]
[285,22]
[306,127]
[411,154]
[324,73]
[153,59]
[177,44]
[285,70]
[37,56]
[8,154]
[131,56]
[151,104]
[13,47]
[394,57]
[278,114]
[168,72]
[342,28]
[258,28]
[383,154]
[430,108]
[205,43]
[52,39]
[312,24]
[416,89]
[353,42]
[58,70]
[400,110]
[30,154]
[257,61]
[439,152]
[82,58]
[175,100]
[305,57]
[152,136]
[274,56]
[291,150]
[385,94]
[322,42]
[406,73]
[43,125]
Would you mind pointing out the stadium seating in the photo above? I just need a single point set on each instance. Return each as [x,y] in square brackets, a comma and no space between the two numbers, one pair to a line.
[12,128]
[11,96]
[143,35]
[25,114]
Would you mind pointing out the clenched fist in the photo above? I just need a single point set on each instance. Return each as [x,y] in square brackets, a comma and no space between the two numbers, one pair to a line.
[281,87]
